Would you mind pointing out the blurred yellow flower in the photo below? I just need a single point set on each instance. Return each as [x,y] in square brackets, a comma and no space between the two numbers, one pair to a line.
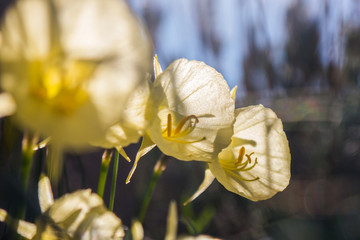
[71,66]
[256,164]
[195,111]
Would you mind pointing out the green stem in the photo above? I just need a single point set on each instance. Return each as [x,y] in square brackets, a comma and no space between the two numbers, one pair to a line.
[28,144]
[114,179]
[160,166]
[105,161]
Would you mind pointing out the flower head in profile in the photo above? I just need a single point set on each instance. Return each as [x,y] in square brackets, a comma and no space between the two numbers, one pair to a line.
[256,164]
[71,66]
[194,111]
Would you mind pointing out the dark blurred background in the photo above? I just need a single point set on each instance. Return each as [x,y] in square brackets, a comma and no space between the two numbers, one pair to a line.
[299,57]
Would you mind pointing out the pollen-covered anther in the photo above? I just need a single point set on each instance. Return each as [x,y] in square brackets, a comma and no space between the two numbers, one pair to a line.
[186,125]
[240,165]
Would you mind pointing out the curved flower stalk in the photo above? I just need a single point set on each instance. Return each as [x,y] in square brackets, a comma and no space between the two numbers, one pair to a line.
[79,215]
[71,66]
[256,164]
[194,112]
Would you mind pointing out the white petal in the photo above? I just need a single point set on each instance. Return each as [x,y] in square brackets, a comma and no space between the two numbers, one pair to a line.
[208,179]
[7,105]
[157,66]
[46,198]
[260,131]
[233,93]
[146,146]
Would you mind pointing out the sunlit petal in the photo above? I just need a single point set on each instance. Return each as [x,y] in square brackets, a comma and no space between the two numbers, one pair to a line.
[256,164]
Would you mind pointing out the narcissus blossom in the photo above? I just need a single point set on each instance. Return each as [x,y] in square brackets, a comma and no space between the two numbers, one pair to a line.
[71,66]
[194,111]
[256,164]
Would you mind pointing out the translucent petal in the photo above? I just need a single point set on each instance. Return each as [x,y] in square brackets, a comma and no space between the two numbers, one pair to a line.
[233,93]
[146,146]
[157,66]
[208,179]
[260,132]
[192,88]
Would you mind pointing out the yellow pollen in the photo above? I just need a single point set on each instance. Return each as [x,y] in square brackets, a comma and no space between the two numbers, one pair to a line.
[186,125]
[234,167]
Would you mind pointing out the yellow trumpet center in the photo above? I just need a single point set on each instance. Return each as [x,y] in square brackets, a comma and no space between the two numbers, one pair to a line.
[179,132]
[60,84]
[242,163]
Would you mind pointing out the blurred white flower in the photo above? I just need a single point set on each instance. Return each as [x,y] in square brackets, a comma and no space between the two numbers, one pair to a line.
[71,66]
[80,215]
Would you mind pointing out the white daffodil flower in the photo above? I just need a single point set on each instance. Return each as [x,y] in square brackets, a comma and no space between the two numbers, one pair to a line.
[195,111]
[71,66]
[256,165]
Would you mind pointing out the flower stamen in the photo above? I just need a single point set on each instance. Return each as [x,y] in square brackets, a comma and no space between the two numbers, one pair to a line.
[240,165]
[186,125]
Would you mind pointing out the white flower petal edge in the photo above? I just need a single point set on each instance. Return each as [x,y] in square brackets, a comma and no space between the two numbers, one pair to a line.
[195,111]
[263,169]
[207,181]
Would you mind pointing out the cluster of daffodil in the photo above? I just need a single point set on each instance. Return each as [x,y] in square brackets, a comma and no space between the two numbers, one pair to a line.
[78,72]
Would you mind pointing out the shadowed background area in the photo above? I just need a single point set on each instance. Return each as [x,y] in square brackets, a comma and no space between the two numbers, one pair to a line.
[299,57]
